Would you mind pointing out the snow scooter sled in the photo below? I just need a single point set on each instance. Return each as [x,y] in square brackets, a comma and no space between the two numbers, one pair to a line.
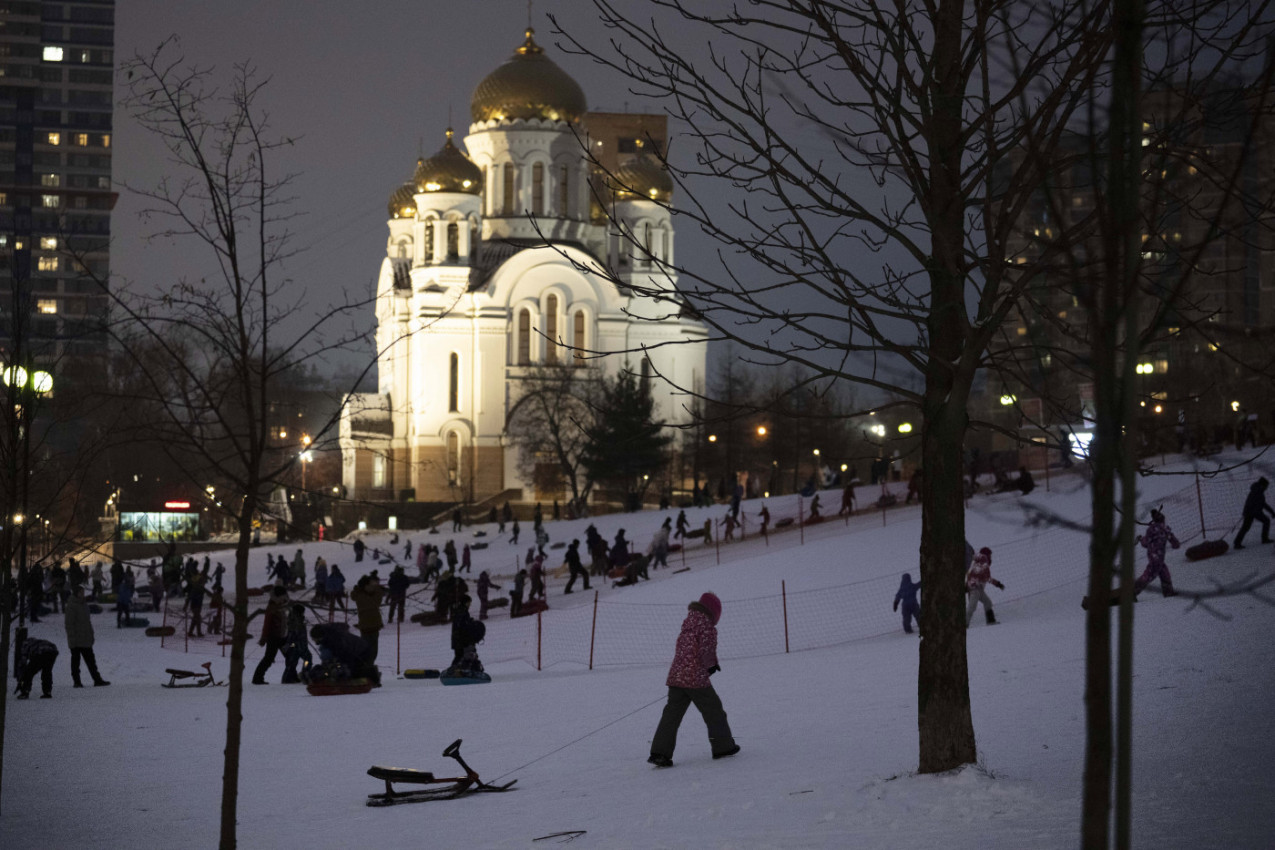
[161,631]
[1207,549]
[454,786]
[198,680]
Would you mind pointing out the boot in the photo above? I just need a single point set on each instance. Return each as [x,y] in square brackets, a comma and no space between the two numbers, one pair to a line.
[991,618]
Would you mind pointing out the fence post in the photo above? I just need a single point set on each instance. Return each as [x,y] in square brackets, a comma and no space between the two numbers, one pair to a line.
[1199,501]
[186,629]
[538,633]
[223,626]
[593,630]
[783,591]
[398,646]
[163,622]
[801,518]
[717,544]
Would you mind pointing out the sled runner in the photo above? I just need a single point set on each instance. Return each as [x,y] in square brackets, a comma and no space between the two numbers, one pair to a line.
[196,679]
[1207,549]
[161,631]
[475,678]
[453,786]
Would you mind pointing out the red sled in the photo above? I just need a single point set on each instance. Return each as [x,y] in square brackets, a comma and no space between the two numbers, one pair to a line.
[532,606]
[348,686]
[1207,549]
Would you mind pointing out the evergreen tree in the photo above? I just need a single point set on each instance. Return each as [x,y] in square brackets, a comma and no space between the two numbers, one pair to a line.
[625,445]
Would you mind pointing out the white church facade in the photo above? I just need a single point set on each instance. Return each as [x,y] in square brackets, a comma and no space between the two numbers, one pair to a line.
[494,267]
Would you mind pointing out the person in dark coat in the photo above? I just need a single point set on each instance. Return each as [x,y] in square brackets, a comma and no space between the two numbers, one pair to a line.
[485,584]
[359,548]
[907,595]
[397,587]
[458,521]
[335,589]
[195,601]
[366,596]
[35,656]
[1255,510]
[620,550]
[296,648]
[336,644]
[576,567]
[79,638]
[274,632]
[515,595]
[1025,482]
[694,661]
[124,601]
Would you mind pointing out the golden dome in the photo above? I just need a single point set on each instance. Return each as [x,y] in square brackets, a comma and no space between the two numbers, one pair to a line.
[529,85]
[402,204]
[642,177]
[449,170]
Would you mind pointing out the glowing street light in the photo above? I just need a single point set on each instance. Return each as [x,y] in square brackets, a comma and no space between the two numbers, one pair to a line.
[761,430]
[1007,400]
[712,438]
[905,427]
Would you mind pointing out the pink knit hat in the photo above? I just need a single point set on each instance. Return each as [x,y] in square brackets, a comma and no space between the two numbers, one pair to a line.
[713,605]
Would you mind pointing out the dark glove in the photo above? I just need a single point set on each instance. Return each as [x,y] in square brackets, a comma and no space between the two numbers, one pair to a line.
[714,669]
[997,584]
[896,605]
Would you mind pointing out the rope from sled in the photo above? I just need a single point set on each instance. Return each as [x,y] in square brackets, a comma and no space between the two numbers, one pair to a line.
[660,698]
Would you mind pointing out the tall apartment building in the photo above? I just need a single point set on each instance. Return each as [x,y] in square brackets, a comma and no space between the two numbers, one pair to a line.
[1207,275]
[56,99]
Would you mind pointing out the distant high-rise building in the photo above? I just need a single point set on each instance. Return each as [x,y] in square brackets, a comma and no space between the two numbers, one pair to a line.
[56,74]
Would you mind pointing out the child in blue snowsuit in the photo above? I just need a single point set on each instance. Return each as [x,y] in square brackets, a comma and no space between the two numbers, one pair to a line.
[911,607]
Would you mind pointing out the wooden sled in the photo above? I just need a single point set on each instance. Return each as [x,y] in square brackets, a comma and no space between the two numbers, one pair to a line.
[161,631]
[454,786]
[191,678]
[1207,549]
[346,686]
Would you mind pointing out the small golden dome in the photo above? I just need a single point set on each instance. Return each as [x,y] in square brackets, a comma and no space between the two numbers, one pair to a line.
[528,86]
[449,170]
[642,177]
[402,202]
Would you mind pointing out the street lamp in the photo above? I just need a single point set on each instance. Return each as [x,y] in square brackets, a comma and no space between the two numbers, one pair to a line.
[22,383]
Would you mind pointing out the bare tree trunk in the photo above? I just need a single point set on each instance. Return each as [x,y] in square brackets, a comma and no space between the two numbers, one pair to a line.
[234,699]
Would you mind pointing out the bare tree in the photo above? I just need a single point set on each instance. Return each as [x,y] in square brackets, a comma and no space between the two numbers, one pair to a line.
[869,155]
[549,423]
[208,350]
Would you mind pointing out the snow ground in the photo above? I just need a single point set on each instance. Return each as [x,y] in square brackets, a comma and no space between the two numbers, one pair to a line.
[828,734]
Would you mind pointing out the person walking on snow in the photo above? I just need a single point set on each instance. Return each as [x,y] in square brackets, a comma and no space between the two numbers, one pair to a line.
[1255,510]
[911,607]
[485,585]
[658,550]
[694,661]
[976,581]
[576,566]
[79,638]
[1154,540]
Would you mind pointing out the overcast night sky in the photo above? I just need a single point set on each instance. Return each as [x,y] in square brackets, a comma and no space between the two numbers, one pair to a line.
[364,88]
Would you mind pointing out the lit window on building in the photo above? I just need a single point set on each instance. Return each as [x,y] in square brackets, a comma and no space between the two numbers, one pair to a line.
[378,470]
[82,139]
[52,53]
[51,180]
[106,140]
[49,264]
[49,243]
[54,138]
[50,201]
[1162,366]
[47,305]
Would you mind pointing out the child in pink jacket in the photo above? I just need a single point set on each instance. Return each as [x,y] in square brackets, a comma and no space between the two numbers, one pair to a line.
[694,660]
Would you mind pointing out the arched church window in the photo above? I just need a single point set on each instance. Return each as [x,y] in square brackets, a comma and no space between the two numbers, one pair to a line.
[508,185]
[551,329]
[453,241]
[524,337]
[453,383]
[564,194]
[646,239]
[429,242]
[577,337]
[453,456]
[402,250]
[664,255]
[473,240]
[538,188]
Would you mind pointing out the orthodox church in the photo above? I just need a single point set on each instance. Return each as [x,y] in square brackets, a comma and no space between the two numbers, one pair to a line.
[493,269]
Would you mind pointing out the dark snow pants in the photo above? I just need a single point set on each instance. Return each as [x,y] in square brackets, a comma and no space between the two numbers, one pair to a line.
[1155,569]
[1249,519]
[90,660]
[709,705]
[42,664]
[910,610]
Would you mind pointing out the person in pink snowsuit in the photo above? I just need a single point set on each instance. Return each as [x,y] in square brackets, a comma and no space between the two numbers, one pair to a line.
[976,581]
